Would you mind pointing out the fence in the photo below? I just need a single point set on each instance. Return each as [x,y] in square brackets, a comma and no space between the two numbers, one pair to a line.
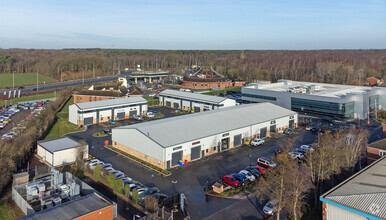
[20,201]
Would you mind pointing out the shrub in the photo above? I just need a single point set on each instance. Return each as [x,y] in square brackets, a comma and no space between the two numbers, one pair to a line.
[97,172]
[127,190]
[151,203]
[135,196]
[110,179]
[118,185]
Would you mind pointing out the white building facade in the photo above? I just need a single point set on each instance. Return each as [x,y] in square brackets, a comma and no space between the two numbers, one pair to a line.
[167,142]
[193,101]
[89,113]
[320,99]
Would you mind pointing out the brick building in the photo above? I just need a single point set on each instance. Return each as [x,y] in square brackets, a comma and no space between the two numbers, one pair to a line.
[376,150]
[220,83]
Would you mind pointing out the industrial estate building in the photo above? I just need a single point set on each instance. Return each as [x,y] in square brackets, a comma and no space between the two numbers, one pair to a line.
[165,142]
[60,151]
[61,196]
[319,99]
[147,76]
[376,150]
[362,196]
[89,113]
[193,101]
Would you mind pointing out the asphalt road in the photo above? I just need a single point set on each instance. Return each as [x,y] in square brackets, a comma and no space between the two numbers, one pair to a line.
[66,84]
[191,178]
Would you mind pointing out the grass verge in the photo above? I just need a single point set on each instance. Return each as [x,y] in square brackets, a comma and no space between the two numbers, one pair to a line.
[30,98]
[99,134]
[9,210]
[151,166]
[22,79]
[62,125]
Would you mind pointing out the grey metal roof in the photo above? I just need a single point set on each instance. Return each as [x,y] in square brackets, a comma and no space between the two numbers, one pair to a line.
[381,144]
[72,209]
[192,96]
[181,129]
[110,102]
[363,190]
[59,144]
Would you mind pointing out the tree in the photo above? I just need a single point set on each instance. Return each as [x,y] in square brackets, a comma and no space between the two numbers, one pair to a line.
[97,172]
[118,186]
[127,190]
[80,152]
[135,195]
[151,203]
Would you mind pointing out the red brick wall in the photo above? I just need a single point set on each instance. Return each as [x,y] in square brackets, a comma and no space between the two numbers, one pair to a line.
[101,214]
[384,130]
[372,154]
[207,85]
[86,98]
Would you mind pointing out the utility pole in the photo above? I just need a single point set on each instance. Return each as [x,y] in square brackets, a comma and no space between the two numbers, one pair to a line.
[13,80]
[37,81]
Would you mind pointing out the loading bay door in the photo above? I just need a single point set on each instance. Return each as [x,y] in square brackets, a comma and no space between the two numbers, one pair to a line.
[263,132]
[176,105]
[272,129]
[176,157]
[132,113]
[168,104]
[225,144]
[195,154]
[120,116]
[292,123]
[196,109]
[237,140]
[88,121]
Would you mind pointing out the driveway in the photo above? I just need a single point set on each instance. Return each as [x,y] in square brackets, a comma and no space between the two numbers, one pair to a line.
[191,178]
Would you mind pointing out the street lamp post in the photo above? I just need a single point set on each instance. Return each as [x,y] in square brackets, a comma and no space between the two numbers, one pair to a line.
[250,160]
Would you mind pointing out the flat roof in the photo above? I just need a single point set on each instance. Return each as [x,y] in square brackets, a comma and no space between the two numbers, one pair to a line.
[321,89]
[110,102]
[381,144]
[72,209]
[365,191]
[58,144]
[193,96]
[177,130]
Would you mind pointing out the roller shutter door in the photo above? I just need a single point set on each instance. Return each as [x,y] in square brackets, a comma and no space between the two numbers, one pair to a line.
[120,116]
[176,105]
[196,109]
[88,121]
[237,140]
[292,123]
[272,129]
[195,153]
[176,157]
[168,104]
[132,113]
[263,132]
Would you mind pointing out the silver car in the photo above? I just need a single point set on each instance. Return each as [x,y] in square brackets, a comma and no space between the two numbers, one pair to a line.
[270,208]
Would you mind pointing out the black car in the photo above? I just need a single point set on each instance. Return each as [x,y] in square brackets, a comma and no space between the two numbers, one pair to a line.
[315,129]
[21,87]
[289,131]
[254,172]
[107,131]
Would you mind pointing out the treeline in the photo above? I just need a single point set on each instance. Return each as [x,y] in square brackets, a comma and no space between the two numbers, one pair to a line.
[14,153]
[297,186]
[329,66]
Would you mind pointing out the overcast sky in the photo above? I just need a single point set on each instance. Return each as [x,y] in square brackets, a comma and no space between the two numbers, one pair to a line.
[194,24]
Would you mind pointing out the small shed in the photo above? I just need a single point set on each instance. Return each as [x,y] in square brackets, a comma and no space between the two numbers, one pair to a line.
[20,178]
[61,151]
[218,187]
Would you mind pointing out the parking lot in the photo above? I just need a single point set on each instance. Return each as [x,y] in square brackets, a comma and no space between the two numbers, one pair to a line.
[191,179]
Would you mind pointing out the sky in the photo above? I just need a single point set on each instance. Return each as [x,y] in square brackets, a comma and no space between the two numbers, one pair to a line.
[194,24]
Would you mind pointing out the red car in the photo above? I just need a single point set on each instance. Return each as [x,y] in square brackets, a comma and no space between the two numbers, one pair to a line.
[231,180]
[262,170]
[265,162]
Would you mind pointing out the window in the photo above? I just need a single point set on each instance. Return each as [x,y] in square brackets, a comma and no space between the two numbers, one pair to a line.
[259,96]
[207,150]
[177,148]
[214,148]
[382,153]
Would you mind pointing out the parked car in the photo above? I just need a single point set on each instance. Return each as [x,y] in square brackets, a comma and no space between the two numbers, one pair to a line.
[307,148]
[256,142]
[106,165]
[152,94]
[248,175]
[147,192]
[111,122]
[240,177]
[150,114]
[138,117]
[253,171]
[247,141]
[107,131]
[289,131]
[270,208]
[265,162]
[93,165]
[2,125]
[296,155]
[231,181]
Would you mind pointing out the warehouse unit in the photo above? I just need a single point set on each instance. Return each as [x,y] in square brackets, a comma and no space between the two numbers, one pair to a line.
[164,143]
[60,151]
[360,197]
[319,99]
[193,101]
[89,113]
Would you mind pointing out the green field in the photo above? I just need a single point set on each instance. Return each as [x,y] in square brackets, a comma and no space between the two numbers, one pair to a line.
[22,79]
[62,125]
[29,98]
[9,210]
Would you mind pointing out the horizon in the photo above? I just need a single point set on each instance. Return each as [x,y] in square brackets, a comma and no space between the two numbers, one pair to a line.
[198,25]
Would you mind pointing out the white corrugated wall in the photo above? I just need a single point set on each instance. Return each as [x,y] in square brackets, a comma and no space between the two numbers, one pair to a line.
[336,213]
